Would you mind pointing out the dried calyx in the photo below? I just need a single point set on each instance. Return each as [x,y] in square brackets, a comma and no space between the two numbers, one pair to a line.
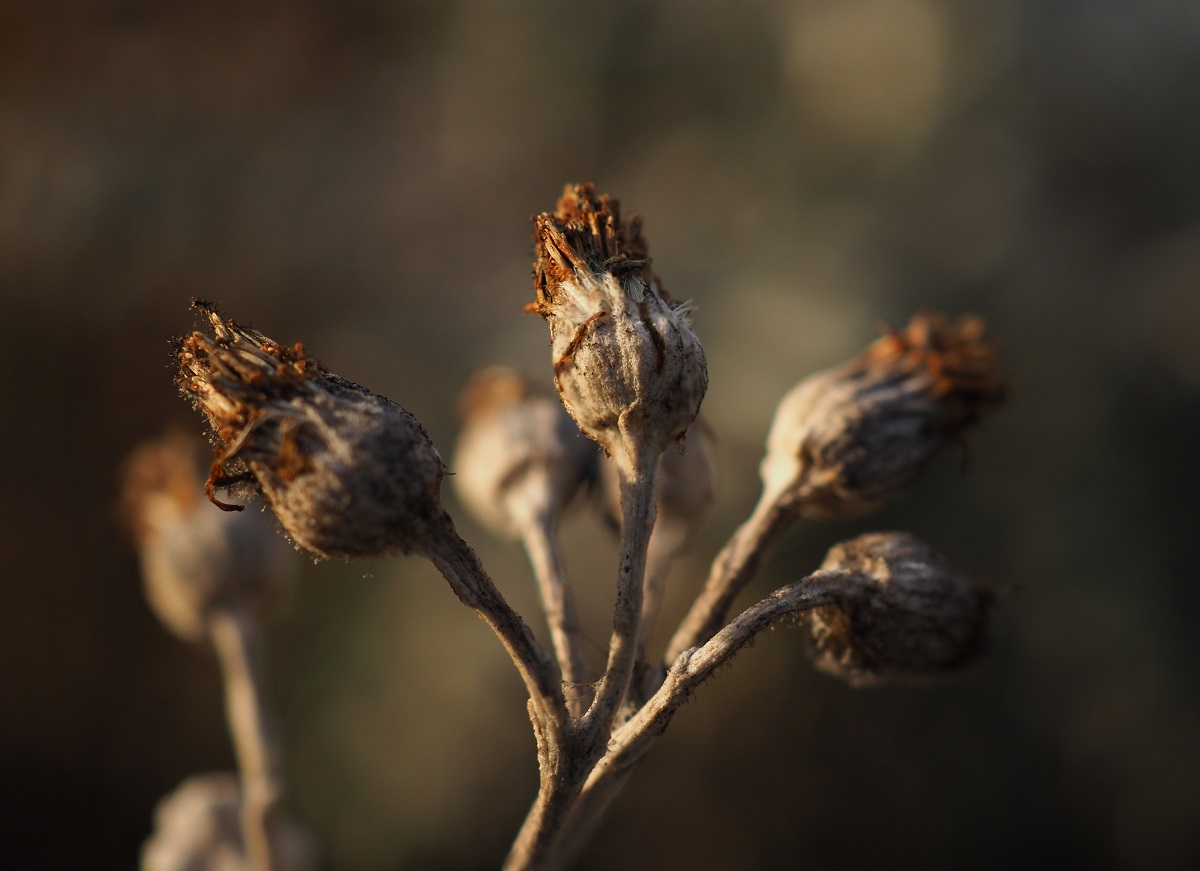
[626,362]
[848,440]
[194,559]
[905,613]
[348,473]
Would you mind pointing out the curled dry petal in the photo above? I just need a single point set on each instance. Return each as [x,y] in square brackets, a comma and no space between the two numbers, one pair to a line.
[848,440]
[626,362]
[347,472]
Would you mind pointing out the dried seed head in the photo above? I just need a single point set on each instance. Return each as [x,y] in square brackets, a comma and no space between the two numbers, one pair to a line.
[684,484]
[520,458]
[912,616]
[626,362]
[848,440]
[195,559]
[197,826]
[347,473]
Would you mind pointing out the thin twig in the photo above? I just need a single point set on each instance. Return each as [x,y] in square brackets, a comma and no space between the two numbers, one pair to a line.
[462,569]
[638,509]
[541,545]
[735,567]
[238,642]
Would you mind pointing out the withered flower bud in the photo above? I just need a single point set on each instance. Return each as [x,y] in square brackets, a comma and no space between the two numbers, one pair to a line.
[848,440]
[197,826]
[195,559]
[520,458]
[914,617]
[626,362]
[348,473]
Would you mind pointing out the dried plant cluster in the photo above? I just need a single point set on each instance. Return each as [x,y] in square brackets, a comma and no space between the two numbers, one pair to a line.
[352,474]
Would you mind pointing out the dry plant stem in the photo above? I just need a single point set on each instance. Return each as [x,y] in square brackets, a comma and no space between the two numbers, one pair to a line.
[734,568]
[638,511]
[462,569]
[238,641]
[558,602]
[632,740]
[563,775]
[665,544]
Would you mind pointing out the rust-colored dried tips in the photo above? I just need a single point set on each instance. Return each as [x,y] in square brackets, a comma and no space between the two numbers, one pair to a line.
[848,440]
[585,234]
[348,473]
[520,458]
[905,615]
[957,358]
[627,365]
[196,560]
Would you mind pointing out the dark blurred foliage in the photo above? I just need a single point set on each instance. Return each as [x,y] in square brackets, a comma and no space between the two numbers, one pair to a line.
[359,175]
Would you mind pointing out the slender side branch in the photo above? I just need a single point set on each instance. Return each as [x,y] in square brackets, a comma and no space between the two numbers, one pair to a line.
[735,567]
[631,741]
[238,642]
[462,569]
[541,545]
[638,509]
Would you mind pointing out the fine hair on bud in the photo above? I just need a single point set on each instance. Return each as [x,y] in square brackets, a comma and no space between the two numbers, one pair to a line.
[195,559]
[348,473]
[848,440]
[627,365]
[520,458]
[905,614]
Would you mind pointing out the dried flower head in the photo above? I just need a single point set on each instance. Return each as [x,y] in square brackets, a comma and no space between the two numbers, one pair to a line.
[347,472]
[197,826]
[520,458]
[626,362]
[195,559]
[914,617]
[848,440]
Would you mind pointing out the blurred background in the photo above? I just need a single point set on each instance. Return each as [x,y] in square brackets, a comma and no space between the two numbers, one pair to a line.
[359,176]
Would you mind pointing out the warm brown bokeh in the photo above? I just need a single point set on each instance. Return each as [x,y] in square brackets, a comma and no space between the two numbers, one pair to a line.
[358,176]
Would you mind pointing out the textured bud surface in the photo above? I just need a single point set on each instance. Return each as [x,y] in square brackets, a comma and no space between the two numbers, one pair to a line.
[916,617]
[519,456]
[347,472]
[848,440]
[195,559]
[626,361]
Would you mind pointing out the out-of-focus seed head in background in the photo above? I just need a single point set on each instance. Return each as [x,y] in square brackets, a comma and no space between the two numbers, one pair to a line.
[359,177]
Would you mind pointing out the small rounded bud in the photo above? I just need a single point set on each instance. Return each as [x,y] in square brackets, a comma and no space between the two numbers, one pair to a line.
[626,362]
[195,559]
[848,440]
[520,458]
[909,616]
[197,826]
[348,473]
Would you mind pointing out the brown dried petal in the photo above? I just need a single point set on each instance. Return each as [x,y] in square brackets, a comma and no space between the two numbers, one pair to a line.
[347,472]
